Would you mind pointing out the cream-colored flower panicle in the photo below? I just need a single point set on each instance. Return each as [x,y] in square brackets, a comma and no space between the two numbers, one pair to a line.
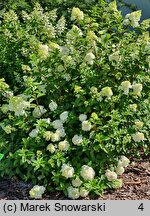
[57,124]
[89,58]
[82,117]
[47,135]
[43,51]
[83,192]
[73,193]
[76,182]
[117,183]
[86,126]
[133,18]
[77,139]
[37,191]
[138,137]
[63,145]
[133,107]
[34,133]
[64,116]
[111,175]
[123,162]
[51,148]
[106,92]
[113,6]
[119,170]
[39,111]
[125,86]
[138,124]
[114,56]
[77,14]
[18,105]
[67,171]
[53,105]
[87,172]
[137,88]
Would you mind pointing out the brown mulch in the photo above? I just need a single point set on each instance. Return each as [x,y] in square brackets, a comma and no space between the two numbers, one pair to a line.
[136,186]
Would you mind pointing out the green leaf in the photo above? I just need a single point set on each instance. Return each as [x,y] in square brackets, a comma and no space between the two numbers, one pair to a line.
[1,156]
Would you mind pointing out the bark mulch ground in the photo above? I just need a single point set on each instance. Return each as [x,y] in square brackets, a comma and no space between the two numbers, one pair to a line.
[136,186]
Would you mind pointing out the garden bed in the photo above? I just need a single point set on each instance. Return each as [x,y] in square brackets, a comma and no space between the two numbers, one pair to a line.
[136,186]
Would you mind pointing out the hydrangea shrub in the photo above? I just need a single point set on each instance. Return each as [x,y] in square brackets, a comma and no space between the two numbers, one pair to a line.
[74,97]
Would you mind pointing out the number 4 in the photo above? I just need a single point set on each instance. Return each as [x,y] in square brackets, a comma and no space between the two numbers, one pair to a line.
[141,207]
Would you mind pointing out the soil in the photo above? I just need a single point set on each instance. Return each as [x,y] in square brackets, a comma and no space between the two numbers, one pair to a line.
[136,186]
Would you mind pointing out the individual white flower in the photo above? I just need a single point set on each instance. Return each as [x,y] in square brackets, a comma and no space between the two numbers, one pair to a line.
[64,116]
[18,105]
[123,162]
[67,171]
[37,191]
[77,139]
[83,192]
[77,14]
[53,105]
[55,137]
[133,107]
[51,148]
[125,86]
[47,135]
[137,88]
[82,117]
[119,170]
[39,111]
[34,133]
[87,172]
[73,193]
[138,137]
[138,124]
[89,58]
[63,145]
[43,51]
[76,182]
[111,175]
[86,126]
[106,92]
[57,124]
[60,132]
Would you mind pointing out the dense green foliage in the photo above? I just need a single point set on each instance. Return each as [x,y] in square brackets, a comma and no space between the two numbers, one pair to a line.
[74,91]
